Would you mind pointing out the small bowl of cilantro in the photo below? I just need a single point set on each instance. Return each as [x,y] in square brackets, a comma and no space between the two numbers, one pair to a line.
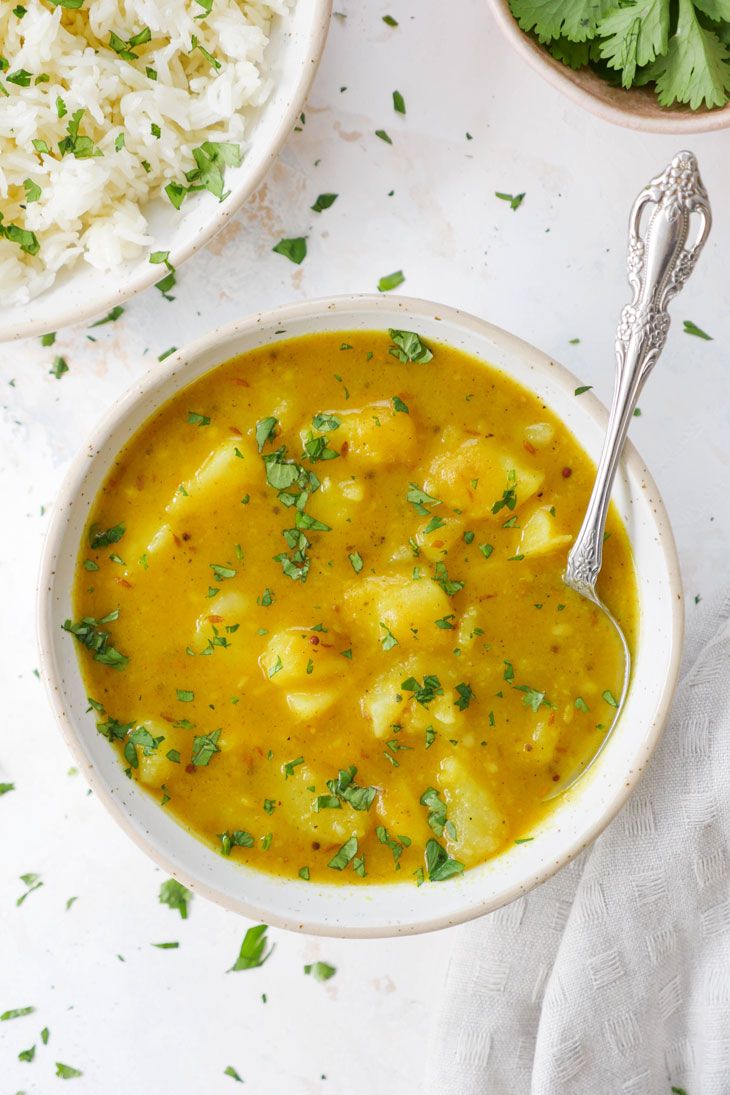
[657,65]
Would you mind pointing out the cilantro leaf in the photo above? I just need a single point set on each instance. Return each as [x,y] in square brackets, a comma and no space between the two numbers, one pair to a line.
[320,971]
[294,249]
[439,863]
[391,281]
[694,69]
[691,328]
[66,1072]
[634,36]
[324,201]
[408,346]
[175,896]
[253,952]
[576,19]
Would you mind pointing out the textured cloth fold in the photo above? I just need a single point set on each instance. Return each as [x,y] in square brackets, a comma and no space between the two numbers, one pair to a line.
[614,976]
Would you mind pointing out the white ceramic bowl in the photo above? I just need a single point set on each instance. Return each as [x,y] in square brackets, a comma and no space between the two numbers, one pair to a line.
[82,292]
[377,909]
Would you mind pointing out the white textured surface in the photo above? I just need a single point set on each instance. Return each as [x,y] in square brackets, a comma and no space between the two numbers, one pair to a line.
[552,271]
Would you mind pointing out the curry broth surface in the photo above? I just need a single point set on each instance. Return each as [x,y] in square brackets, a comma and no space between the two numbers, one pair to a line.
[304,679]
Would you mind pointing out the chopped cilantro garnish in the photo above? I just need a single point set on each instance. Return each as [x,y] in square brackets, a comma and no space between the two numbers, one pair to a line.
[515,200]
[532,698]
[59,367]
[175,896]
[321,971]
[112,317]
[399,103]
[294,249]
[253,952]
[450,586]
[690,328]
[95,638]
[423,693]
[437,813]
[420,500]
[345,855]
[222,573]
[391,281]
[265,431]
[290,765]
[16,1013]
[466,695]
[239,838]
[439,863]
[211,160]
[204,748]
[66,1072]
[324,201]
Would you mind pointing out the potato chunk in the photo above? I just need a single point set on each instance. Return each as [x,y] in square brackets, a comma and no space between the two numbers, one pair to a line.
[327,826]
[372,435]
[289,653]
[473,811]
[309,705]
[337,499]
[541,535]
[437,544]
[222,472]
[408,608]
[475,475]
[154,769]
[385,702]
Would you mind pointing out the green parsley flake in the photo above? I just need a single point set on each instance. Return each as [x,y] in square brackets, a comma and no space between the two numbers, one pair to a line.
[320,971]
[66,1072]
[324,201]
[391,281]
[515,200]
[175,896]
[294,249]
[253,952]
[691,328]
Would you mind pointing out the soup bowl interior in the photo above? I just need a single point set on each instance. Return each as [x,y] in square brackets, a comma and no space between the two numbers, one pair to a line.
[81,291]
[371,910]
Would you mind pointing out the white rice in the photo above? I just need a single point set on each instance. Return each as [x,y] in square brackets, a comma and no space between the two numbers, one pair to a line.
[93,208]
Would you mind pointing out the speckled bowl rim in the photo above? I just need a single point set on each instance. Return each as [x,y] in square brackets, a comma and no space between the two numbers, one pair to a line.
[144,275]
[576,86]
[412,311]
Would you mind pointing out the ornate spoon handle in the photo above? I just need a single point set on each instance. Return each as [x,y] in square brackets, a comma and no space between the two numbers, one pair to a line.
[659,261]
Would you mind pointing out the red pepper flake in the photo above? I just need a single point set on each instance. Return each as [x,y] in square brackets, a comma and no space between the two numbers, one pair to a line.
[567,472]
[530,448]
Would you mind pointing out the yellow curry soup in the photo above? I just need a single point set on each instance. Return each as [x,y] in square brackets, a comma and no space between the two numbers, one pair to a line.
[320,610]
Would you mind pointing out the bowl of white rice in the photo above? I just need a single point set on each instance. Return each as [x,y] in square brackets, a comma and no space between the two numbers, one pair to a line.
[130,132]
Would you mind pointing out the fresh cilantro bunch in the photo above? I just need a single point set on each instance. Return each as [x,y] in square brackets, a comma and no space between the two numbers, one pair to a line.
[679,46]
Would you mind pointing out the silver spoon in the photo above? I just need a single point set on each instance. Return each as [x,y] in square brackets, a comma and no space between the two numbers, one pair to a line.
[659,262]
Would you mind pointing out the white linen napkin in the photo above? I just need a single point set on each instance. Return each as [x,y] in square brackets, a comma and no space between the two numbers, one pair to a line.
[614,976]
